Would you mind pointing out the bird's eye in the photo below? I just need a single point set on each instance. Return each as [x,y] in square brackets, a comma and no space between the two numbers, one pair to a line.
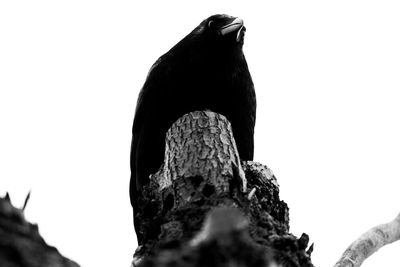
[210,23]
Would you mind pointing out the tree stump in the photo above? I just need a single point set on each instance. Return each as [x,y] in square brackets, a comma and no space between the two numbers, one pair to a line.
[205,207]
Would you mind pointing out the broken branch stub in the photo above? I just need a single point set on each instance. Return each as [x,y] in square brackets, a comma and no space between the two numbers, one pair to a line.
[202,171]
[200,156]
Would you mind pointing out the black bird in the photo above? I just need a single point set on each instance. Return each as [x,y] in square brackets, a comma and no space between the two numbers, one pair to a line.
[205,70]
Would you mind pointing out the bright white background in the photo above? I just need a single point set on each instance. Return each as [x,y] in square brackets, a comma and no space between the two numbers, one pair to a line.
[327,82]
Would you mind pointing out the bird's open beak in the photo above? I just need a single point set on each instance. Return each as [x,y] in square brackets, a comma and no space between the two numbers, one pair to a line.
[235,25]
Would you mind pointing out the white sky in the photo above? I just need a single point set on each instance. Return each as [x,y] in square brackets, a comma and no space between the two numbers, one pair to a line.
[327,82]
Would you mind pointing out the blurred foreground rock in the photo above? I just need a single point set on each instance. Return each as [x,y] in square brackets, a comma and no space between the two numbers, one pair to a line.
[21,244]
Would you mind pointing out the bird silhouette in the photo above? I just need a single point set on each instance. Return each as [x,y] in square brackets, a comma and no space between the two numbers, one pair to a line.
[205,70]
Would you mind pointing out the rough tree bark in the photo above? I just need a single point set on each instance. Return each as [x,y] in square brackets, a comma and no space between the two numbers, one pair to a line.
[247,224]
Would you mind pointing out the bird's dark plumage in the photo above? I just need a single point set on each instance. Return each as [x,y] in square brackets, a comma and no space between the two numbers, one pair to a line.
[205,70]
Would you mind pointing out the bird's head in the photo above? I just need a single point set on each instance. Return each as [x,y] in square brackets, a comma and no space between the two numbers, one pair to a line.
[218,38]
[222,29]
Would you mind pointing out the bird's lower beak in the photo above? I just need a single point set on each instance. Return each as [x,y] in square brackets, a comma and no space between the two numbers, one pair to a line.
[235,25]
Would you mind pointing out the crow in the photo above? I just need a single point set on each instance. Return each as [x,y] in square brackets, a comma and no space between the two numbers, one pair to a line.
[205,70]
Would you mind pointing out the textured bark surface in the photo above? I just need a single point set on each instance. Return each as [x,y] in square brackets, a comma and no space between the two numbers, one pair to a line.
[370,242]
[200,146]
[202,173]
[21,243]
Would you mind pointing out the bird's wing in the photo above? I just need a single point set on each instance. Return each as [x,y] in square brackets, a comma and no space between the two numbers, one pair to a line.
[156,80]
[147,100]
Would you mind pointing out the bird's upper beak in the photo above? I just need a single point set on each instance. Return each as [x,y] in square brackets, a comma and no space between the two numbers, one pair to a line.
[235,25]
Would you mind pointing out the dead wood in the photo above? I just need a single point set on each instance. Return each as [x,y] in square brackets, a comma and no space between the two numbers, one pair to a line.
[203,177]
